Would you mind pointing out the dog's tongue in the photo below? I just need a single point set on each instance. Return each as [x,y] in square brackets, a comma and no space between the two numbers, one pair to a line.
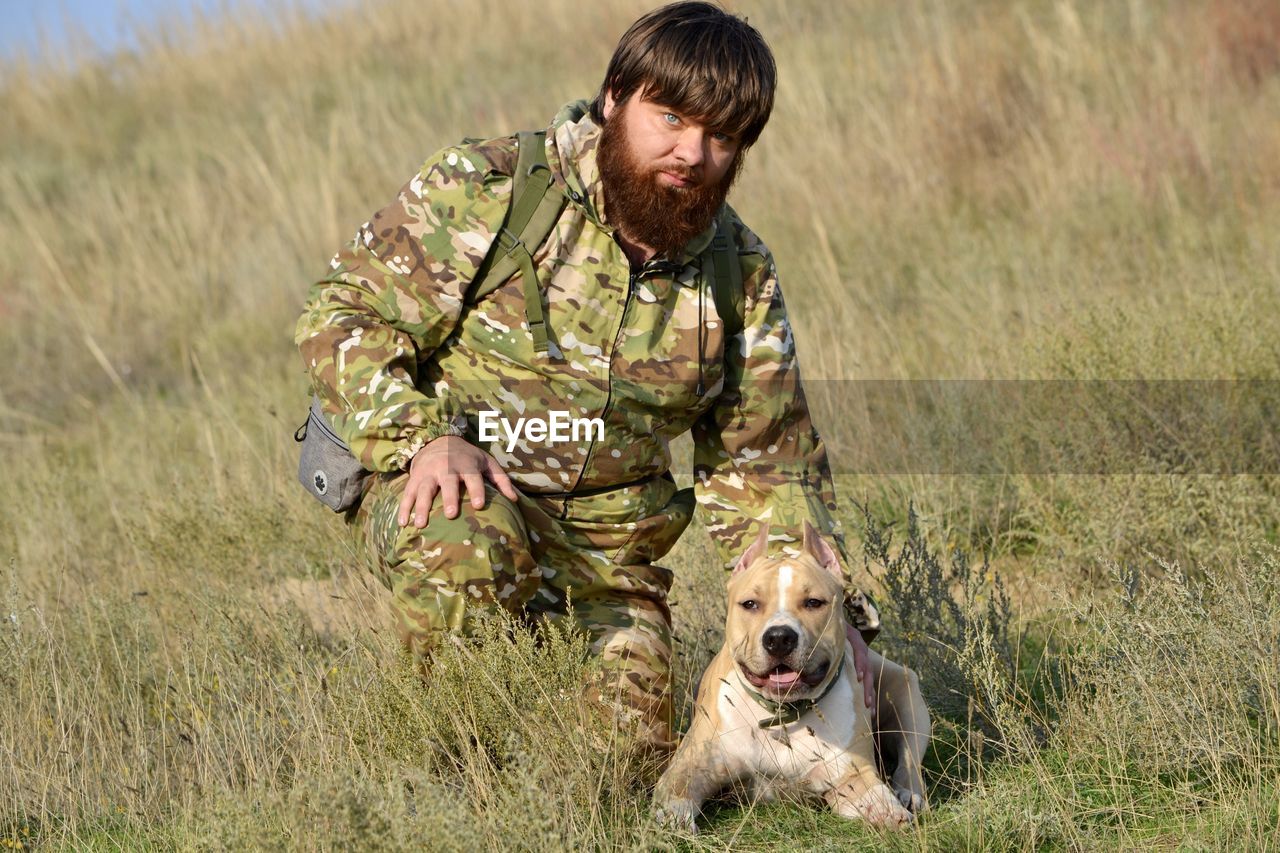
[783,679]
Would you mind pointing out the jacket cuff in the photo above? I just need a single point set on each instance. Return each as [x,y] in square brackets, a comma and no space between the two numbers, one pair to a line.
[403,455]
[862,614]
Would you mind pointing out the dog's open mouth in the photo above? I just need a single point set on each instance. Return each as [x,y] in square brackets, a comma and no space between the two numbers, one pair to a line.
[784,679]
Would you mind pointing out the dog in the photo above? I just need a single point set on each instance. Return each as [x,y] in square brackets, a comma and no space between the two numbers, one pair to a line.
[780,706]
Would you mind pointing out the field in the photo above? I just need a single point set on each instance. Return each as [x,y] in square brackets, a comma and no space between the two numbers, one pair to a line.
[1079,195]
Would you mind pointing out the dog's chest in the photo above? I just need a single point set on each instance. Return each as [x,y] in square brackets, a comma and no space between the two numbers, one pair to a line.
[814,750]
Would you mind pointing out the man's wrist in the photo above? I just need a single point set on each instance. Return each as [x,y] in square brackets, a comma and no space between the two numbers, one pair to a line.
[453,426]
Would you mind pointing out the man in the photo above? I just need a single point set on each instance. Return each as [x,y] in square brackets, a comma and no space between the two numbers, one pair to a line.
[622,330]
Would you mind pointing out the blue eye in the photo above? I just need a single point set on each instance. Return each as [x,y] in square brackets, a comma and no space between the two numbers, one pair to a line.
[671,118]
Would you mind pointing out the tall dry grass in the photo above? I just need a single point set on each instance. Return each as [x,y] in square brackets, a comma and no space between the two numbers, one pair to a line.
[1052,190]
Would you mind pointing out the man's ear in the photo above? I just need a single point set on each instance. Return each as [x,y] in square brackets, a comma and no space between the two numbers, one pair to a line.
[758,549]
[817,547]
[609,104]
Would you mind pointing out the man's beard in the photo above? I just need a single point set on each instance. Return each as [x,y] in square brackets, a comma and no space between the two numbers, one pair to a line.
[648,211]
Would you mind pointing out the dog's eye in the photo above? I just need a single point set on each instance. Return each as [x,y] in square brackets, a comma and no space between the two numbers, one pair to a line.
[750,604]
[814,604]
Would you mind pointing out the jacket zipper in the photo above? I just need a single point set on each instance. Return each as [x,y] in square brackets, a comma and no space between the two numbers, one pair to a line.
[632,278]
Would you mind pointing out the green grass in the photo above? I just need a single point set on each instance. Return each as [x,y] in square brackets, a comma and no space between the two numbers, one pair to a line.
[970,190]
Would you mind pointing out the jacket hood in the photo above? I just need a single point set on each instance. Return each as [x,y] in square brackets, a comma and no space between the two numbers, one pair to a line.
[576,138]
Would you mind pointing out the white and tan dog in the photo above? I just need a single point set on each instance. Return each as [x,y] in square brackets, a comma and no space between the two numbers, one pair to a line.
[780,708]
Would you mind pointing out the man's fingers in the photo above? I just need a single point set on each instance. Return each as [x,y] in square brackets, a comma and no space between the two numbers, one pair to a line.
[860,657]
[863,663]
[862,667]
[501,480]
[447,474]
[426,495]
[449,494]
[406,506]
[475,488]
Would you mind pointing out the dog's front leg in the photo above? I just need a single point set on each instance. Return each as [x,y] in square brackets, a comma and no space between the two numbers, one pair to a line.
[863,796]
[698,770]
[860,793]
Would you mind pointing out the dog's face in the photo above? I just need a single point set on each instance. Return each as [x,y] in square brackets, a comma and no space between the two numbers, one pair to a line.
[785,627]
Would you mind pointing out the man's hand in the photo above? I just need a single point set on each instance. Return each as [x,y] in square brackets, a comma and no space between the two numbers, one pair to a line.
[862,665]
[445,466]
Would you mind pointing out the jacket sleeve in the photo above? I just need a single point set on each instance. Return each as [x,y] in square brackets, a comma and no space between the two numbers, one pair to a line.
[757,457]
[391,297]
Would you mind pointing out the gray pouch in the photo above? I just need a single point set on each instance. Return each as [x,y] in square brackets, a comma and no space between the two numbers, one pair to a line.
[327,469]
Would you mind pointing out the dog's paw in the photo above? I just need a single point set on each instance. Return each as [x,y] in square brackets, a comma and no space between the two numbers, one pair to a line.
[678,815]
[878,806]
[911,801]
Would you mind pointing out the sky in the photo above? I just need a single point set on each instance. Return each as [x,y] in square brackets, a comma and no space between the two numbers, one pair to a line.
[107,23]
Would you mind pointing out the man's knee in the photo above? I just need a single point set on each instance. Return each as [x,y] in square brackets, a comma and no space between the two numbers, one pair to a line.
[495,534]
[480,557]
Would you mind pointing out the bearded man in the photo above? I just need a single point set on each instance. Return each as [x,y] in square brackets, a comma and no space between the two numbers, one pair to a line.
[620,325]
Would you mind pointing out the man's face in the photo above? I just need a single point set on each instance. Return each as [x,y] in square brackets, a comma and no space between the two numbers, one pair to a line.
[677,148]
[665,174]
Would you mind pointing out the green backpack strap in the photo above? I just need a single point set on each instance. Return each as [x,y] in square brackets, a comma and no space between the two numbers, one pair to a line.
[726,284]
[536,204]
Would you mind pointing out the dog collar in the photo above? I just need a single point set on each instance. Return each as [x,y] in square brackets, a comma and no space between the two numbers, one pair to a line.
[786,713]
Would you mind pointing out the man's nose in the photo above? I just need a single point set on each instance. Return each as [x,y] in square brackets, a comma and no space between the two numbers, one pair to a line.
[691,147]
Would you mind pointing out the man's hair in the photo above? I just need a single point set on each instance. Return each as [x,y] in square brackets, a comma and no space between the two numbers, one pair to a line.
[699,60]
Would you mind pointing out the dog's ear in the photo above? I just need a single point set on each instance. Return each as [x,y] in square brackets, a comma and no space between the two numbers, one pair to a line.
[817,547]
[758,549]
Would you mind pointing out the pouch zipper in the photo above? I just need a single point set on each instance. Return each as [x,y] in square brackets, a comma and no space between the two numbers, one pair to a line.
[320,421]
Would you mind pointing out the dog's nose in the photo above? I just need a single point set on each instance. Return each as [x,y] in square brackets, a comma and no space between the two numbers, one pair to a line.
[780,640]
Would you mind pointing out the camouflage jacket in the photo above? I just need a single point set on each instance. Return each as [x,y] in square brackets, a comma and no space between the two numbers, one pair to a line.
[397,355]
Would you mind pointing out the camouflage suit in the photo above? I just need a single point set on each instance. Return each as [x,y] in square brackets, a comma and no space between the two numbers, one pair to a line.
[399,358]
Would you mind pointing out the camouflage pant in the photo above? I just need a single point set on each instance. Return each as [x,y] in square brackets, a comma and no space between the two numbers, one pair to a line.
[542,556]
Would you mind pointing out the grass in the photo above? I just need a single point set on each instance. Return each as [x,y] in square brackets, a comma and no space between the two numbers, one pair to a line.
[1082,191]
